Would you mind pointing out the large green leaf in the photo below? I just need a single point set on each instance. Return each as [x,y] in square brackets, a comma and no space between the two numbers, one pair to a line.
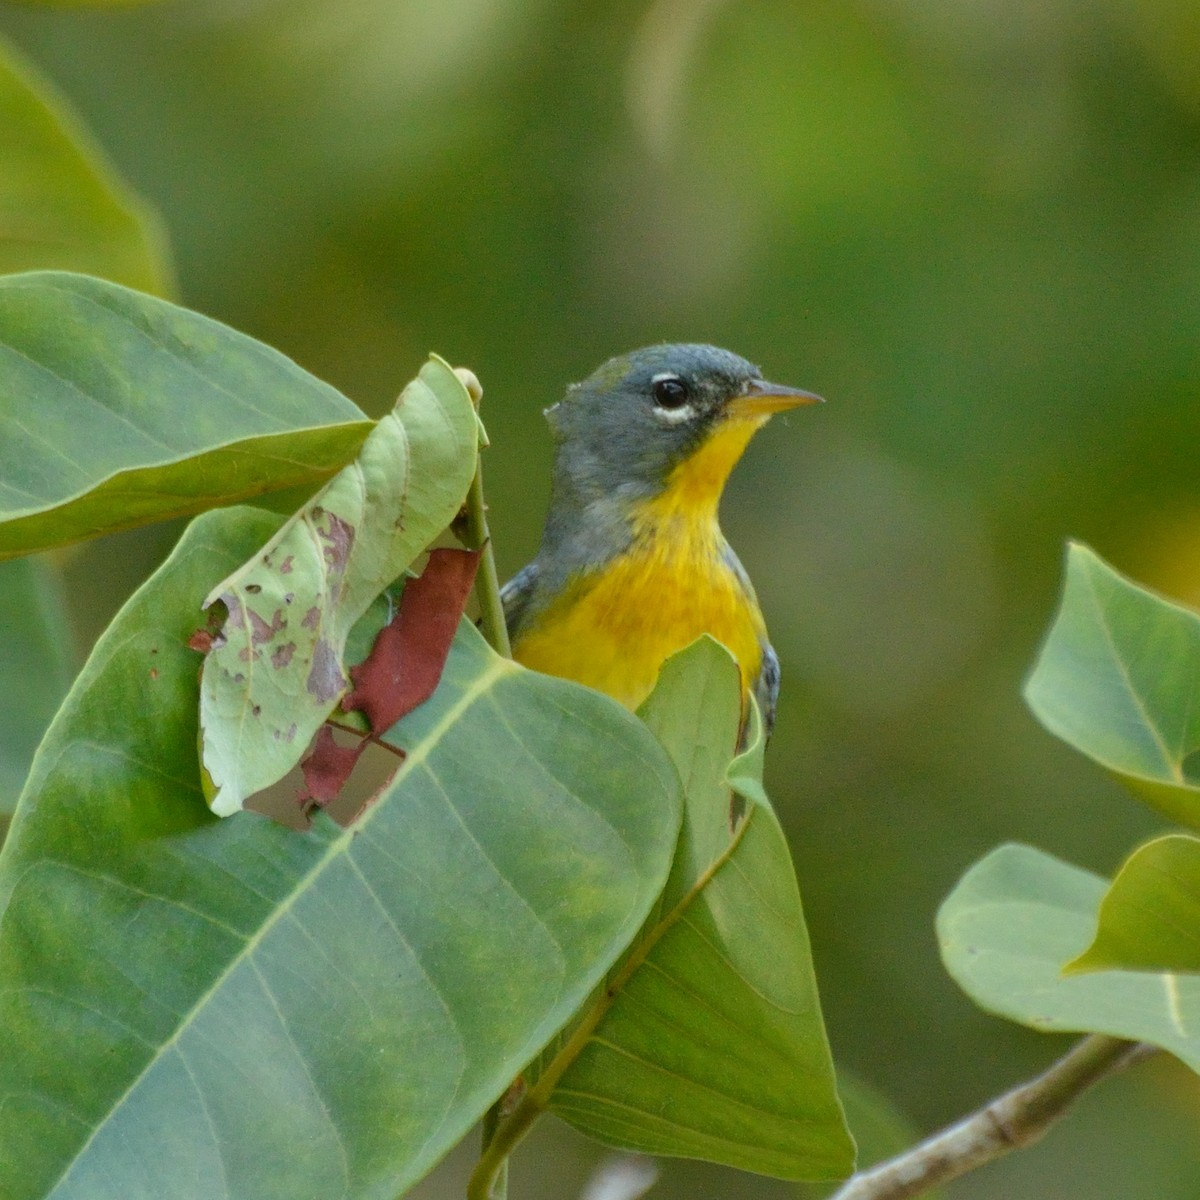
[1012,923]
[707,1041]
[277,670]
[62,205]
[35,666]
[118,409]
[1150,917]
[1119,679]
[196,1008]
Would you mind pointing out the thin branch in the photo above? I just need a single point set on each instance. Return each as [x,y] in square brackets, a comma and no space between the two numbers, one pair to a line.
[1017,1119]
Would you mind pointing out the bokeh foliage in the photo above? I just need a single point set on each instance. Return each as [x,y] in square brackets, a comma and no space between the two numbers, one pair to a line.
[975,229]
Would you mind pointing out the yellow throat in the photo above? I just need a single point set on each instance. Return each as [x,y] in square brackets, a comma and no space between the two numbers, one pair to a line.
[613,627]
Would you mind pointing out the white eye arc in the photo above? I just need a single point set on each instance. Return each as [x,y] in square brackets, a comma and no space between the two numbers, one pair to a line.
[671,399]
[674,416]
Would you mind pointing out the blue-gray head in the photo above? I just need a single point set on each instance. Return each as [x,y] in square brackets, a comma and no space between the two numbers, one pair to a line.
[625,428]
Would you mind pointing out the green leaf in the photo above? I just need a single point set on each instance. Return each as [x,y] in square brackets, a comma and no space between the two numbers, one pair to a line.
[1119,679]
[35,666]
[1150,915]
[707,1041]
[277,671]
[193,1008]
[117,409]
[1009,927]
[62,205]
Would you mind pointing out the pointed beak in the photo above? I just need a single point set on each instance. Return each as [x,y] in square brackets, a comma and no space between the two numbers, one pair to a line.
[761,399]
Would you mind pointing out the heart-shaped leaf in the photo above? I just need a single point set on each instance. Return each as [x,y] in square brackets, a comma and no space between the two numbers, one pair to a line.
[1150,916]
[193,1008]
[1119,679]
[707,1041]
[277,670]
[117,409]
[1017,918]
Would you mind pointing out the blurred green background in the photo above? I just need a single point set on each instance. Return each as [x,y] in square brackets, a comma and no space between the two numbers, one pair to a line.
[974,227]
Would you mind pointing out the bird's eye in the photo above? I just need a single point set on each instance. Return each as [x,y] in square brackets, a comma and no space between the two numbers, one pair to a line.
[670,392]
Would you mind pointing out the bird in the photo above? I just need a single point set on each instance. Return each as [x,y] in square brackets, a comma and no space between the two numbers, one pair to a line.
[632,564]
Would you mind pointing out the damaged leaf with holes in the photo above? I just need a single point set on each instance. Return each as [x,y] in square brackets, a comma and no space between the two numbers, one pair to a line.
[401,671]
[276,669]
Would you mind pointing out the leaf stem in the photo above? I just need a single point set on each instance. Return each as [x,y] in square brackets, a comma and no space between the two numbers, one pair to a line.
[487,582]
[1012,1121]
[472,529]
[489,1180]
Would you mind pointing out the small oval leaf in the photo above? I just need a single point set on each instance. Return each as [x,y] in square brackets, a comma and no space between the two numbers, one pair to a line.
[1150,916]
[1012,923]
[1118,678]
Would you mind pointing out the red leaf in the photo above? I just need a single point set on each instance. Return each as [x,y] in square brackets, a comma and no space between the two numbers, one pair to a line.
[328,767]
[410,652]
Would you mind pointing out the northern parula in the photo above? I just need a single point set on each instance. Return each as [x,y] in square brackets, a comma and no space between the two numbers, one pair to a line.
[633,565]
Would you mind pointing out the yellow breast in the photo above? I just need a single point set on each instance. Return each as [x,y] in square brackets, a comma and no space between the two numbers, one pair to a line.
[613,628]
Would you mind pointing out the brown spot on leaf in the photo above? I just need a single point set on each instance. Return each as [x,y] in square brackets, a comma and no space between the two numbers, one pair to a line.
[325,679]
[338,538]
[253,588]
[410,652]
[261,631]
[312,618]
[201,641]
[282,655]
[285,567]
[153,672]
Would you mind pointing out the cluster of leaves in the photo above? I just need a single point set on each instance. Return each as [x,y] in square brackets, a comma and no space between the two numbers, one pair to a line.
[544,883]
[544,886]
[1042,942]
[193,1005]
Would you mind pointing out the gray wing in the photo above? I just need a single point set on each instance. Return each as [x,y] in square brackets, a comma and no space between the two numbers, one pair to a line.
[766,688]
[515,596]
